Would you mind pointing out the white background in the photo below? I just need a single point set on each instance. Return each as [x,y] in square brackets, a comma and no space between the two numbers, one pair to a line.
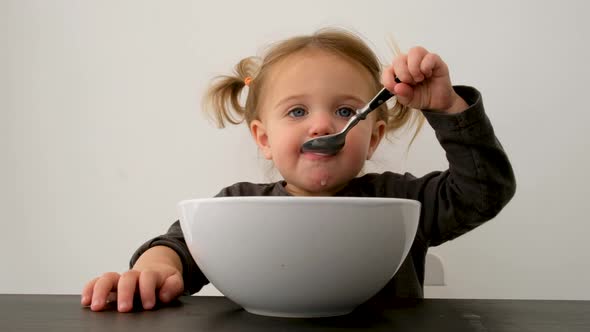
[101,130]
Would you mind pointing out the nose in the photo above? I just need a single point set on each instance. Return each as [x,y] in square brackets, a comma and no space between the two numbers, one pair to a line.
[322,123]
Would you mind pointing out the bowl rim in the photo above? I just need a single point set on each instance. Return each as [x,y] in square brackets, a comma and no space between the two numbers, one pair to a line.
[302,199]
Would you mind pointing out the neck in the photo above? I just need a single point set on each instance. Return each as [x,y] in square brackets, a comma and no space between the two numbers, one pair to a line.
[296,191]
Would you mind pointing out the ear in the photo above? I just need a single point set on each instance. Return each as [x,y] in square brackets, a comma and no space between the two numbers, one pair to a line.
[376,136]
[258,131]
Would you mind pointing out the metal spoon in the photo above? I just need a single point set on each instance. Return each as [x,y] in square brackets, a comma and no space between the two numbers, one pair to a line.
[331,144]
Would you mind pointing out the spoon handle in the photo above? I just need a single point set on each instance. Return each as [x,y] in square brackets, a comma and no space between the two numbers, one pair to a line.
[380,98]
[377,101]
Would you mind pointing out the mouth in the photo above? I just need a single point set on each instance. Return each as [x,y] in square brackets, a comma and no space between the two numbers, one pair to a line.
[316,155]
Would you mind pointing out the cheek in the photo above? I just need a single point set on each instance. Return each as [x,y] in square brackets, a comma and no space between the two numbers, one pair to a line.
[359,138]
[284,142]
[286,135]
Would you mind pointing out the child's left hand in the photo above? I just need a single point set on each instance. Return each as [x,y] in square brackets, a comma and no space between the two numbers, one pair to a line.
[425,82]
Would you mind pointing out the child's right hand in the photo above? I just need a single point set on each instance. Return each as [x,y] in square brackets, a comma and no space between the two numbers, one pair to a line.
[156,273]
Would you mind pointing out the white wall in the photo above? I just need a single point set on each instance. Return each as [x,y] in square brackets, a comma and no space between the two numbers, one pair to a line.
[101,130]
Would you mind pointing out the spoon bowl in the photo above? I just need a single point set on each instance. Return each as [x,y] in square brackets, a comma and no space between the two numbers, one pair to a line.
[331,144]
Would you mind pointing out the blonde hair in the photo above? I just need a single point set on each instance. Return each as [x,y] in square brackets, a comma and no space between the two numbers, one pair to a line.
[222,99]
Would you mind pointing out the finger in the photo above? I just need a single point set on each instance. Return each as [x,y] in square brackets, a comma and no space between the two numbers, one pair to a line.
[415,57]
[126,290]
[172,288]
[87,292]
[432,64]
[404,93]
[400,65]
[388,78]
[102,288]
[148,282]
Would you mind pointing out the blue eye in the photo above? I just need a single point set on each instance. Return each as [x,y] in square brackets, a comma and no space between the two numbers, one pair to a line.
[297,112]
[345,112]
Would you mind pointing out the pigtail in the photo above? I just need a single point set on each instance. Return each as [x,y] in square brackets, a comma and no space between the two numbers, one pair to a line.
[400,116]
[222,99]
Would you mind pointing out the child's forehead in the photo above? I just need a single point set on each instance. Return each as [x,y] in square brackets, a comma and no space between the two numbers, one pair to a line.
[312,67]
[320,77]
[319,57]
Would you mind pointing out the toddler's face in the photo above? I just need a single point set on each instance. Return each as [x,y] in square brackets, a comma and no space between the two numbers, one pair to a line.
[310,94]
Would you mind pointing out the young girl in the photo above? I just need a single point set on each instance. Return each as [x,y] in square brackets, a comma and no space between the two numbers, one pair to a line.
[309,86]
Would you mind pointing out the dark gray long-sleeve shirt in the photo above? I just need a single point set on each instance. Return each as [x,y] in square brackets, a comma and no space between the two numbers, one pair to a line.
[478,184]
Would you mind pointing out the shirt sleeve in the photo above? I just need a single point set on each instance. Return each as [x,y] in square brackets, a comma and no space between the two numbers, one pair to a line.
[193,278]
[479,181]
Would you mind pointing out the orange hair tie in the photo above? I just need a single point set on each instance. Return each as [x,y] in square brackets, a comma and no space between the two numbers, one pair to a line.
[247,80]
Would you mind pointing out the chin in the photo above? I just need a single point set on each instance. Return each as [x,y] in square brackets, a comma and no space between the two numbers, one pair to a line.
[329,188]
[318,183]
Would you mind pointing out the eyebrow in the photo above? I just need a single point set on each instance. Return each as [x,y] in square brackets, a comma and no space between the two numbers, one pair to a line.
[288,99]
[339,97]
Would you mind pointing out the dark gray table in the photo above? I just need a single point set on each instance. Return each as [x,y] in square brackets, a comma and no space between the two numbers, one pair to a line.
[63,313]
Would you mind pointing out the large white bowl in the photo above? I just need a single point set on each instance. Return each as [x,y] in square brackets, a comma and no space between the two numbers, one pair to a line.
[299,256]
